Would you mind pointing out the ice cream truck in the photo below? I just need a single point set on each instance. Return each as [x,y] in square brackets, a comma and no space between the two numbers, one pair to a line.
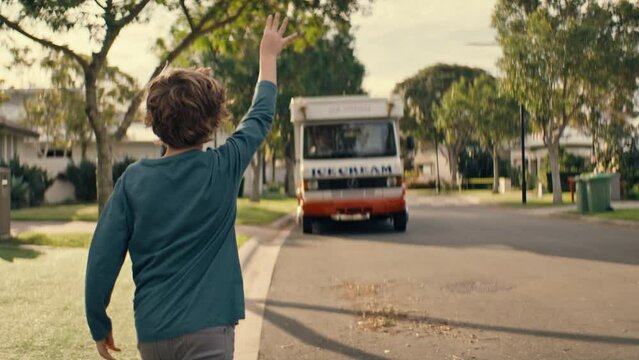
[347,159]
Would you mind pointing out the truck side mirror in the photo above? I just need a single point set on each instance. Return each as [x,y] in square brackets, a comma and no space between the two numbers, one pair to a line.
[410,143]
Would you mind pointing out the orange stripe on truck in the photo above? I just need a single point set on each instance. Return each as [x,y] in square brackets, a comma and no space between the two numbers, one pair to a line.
[380,206]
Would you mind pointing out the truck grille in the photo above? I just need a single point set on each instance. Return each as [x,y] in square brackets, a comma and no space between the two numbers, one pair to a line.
[352,183]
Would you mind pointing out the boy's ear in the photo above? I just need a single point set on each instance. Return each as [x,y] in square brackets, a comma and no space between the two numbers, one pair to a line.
[206,71]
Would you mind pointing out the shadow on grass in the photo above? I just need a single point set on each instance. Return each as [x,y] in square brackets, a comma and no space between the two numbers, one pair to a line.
[10,250]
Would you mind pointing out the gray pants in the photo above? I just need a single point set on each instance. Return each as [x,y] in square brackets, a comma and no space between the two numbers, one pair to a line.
[214,343]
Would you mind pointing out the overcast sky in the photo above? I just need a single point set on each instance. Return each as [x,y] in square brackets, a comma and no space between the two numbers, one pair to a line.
[394,40]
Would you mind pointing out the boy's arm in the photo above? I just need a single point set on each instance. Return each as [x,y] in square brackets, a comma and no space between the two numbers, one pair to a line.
[255,125]
[106,255]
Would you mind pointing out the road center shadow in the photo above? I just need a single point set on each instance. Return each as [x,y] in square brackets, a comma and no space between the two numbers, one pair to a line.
[307,335]
[300,331]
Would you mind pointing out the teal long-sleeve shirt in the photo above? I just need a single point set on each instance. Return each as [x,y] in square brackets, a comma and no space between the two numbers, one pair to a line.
[176,218]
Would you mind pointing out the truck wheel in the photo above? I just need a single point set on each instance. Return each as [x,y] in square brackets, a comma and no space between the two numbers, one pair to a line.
[400,220]
[307,225]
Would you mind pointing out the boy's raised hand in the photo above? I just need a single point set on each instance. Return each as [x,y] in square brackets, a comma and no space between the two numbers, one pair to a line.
[273,39]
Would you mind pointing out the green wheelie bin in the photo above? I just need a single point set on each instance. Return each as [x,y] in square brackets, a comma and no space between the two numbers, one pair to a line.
[598,189]
[582,194]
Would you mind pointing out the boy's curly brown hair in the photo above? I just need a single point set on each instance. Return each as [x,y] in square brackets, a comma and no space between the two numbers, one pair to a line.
[184,106]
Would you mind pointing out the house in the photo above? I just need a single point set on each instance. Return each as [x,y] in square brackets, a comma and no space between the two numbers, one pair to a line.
[139,142]
[15,140]
[574,141]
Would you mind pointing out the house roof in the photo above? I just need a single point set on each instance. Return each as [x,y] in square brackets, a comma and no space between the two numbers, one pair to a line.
[15,127]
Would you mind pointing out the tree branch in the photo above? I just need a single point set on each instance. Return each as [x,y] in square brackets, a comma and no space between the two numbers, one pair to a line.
[187,15]
[44,42]
[172,55]
[113,29]
[99,4]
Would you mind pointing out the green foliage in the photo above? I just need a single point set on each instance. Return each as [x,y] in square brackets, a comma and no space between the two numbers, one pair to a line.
[82,176]
[423,91]
[475,162]
[19,193]
[28,184]
[494,114]
[104,21]
[620,153]
[322,62]
[568,61]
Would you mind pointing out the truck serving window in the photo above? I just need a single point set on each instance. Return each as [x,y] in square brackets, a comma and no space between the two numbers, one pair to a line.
[346,140]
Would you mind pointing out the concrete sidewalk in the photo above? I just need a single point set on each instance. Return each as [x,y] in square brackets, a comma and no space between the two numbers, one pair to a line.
[54,227]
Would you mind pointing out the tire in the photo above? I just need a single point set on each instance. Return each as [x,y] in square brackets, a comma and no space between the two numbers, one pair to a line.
[400,220]
[307,225]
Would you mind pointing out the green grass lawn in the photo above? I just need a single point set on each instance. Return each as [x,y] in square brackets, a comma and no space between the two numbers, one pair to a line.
[621,214]
[42,305]
[264,212]
[42,300]
[70,212]
[511,198]
[73,240]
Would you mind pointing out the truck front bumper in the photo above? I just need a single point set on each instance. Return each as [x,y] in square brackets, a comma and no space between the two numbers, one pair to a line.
[353,209]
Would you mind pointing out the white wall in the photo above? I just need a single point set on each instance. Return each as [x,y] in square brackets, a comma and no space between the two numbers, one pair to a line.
[426,164]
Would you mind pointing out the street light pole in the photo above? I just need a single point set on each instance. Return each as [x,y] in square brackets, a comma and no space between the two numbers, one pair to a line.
[523,153]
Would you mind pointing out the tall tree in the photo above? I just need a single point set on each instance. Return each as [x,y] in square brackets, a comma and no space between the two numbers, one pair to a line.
[421,94]
[453,119]
[59,111]
[493,119]
[548,63]
[609,91]
[322,62]
[104,21]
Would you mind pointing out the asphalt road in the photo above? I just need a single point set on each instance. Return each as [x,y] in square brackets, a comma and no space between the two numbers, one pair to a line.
[464,282]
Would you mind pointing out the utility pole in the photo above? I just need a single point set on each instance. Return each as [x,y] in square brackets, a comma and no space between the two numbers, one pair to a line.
[523,153]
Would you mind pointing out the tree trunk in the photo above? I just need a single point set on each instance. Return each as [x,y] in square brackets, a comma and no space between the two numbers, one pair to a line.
[452,155]
[263,161]
[553,155]
[256,163]
[273,159]
[83,149]
[289,184]
[495,170]
[104,175]
[104,179]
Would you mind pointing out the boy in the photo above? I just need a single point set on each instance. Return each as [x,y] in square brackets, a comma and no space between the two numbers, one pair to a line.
[175,216]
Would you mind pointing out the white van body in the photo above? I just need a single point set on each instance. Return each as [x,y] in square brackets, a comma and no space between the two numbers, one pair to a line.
[347,159]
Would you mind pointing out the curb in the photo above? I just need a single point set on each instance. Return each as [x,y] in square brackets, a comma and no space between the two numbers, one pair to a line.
[258,264]
[594,220]
[283,222]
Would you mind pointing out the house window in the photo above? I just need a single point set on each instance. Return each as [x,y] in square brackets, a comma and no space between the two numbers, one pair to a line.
[15,147]
[427,169]
[57,153]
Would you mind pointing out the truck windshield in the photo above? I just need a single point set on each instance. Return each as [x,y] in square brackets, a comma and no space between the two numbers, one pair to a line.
[353,139]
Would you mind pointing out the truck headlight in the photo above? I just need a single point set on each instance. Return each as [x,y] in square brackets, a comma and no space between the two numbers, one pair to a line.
[311,185]
[393,181]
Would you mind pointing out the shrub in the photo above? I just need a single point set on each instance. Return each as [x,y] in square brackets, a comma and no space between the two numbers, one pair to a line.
[19,193]
[82,177]
[28,184]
